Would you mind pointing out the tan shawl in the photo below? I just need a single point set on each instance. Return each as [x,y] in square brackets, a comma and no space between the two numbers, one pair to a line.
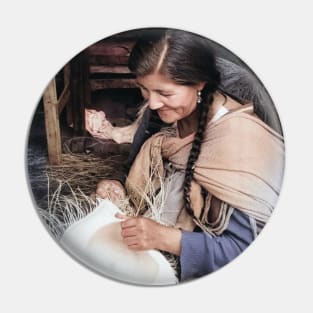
[241,163]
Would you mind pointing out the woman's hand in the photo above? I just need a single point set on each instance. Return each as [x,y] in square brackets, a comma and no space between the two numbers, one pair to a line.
[112,190]
[140,233]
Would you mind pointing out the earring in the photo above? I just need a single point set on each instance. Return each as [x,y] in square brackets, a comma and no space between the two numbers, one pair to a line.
[199,97]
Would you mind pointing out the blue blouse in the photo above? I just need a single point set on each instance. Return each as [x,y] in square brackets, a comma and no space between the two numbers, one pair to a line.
[202,253]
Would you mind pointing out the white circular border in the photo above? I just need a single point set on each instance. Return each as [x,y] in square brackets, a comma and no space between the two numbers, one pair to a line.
[273,41]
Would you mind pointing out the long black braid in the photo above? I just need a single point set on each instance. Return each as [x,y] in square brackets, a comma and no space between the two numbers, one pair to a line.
[207,94]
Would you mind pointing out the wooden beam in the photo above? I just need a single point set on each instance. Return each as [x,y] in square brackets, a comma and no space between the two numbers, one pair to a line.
[66,95]
[64,98]
[52,124]
[111,48]
[98,84]
[108,59]
[109,69]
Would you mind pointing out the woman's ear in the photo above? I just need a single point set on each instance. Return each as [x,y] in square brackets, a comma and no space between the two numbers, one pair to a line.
[200,86]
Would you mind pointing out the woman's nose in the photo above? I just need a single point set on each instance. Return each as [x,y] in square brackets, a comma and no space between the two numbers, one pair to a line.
[155,102]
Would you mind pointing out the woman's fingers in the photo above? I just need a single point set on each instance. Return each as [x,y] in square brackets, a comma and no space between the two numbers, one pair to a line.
[122,216]
[129,222]
[129,232]
[130,241]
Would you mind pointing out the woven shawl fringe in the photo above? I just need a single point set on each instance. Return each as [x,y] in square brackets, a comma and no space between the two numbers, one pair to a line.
[222,221]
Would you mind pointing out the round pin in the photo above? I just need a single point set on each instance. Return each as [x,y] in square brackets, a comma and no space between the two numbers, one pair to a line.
[155,156]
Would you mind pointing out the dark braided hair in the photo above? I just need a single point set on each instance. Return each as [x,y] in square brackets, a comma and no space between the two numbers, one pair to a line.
[195,151]
[187,59]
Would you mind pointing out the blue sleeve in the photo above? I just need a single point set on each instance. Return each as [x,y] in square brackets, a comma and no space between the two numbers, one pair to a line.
[202,253]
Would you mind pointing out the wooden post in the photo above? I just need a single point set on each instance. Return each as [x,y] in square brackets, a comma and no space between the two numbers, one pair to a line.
[51,110]
[67,84]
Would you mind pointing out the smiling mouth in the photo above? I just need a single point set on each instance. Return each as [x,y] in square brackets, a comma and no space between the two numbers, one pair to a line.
[164,110]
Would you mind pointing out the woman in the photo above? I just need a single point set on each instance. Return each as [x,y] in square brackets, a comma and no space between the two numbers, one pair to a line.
[222,169]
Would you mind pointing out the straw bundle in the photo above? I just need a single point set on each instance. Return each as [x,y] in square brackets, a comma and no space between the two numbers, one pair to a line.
[71,197]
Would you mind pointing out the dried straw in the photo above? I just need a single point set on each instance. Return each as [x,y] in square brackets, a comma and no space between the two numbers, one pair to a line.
[84,171]
[71,187]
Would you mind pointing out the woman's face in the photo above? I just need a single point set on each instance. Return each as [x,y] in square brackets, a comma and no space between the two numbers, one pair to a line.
[173,102]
